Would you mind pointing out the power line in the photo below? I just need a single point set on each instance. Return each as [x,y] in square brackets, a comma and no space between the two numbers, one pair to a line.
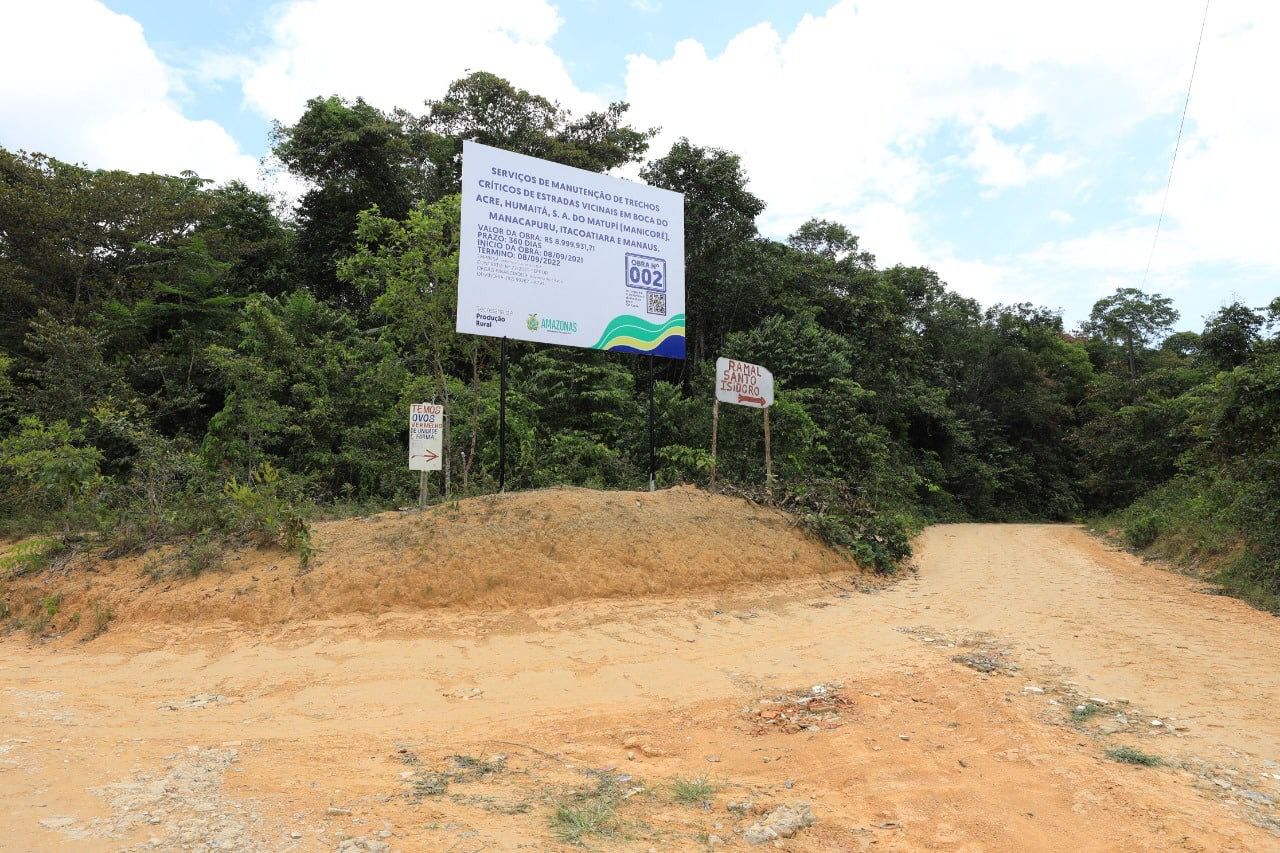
[1176,146]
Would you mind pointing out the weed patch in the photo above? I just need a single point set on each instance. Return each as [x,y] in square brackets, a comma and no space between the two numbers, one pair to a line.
[1130,755]
[100,617]
[471,767]
[575,822]
[692,791]
[1087,711]
[27,558]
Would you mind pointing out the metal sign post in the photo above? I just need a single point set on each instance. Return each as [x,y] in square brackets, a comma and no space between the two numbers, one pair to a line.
[653,479]
[557,255]
[502,422]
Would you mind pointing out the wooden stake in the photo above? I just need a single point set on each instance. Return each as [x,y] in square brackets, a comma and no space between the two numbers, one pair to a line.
[422,489]
[715,427]
[445,444]
[768,459]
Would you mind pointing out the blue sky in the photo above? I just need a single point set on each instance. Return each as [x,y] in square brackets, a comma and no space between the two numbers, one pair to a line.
[1019,149]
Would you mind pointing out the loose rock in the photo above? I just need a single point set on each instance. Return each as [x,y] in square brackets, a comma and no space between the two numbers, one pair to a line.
[363,845]
[782,822]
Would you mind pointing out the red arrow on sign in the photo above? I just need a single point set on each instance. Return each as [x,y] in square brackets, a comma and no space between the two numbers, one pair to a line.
[743,398]
[427,455]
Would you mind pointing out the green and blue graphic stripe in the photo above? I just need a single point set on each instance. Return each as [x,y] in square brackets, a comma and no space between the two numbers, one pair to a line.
[628,333]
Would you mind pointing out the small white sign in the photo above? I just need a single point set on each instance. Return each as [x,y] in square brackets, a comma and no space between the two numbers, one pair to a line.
[426,436]
[743,383]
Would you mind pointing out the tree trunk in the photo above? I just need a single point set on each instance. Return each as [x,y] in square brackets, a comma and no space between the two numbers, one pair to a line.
[1133,369]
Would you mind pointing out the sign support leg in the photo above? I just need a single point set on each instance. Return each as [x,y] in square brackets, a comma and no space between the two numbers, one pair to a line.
[422,489]
[502,422]
[446,444]
[715,428]
[653,477]
[768,459]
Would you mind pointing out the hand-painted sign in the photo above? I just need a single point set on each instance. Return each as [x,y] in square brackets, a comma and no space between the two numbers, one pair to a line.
[743,383]
[560,255]
[426,436]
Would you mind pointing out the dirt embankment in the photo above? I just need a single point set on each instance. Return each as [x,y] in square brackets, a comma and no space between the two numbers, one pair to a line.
[988,701]
[528,549]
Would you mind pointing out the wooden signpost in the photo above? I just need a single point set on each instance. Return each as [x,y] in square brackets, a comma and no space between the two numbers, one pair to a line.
[426,443]
[743,384]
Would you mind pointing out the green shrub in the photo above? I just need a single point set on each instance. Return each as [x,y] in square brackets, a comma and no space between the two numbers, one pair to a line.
[264,511]
[1084,712]
[47,474]
[839,515]
[1220,522]
[29,557]
[45,612]
[200,553]
[1142,531]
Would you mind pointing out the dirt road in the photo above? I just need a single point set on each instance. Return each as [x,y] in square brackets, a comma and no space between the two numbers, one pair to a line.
[967,707]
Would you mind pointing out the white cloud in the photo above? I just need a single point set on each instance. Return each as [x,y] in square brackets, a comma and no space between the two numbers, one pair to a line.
[896,235]
[865,113]
[1001,165]
[845,117]
[80,82]
[398,53]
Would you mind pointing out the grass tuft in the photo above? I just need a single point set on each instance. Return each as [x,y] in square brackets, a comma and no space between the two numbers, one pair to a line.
[101,615]
[692,791]
[470,765]
[1087,711]
[575,822]
[1130,755]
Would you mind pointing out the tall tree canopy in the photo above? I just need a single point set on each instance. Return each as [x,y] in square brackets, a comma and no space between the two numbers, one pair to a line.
[175,358]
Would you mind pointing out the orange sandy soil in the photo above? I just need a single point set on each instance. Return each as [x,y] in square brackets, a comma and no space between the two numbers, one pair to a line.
[339,731]
[528,549]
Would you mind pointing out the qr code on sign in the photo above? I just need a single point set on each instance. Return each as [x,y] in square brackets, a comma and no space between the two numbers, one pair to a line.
[656,303]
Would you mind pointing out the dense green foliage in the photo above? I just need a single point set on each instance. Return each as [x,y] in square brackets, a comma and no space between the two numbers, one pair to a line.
[178,363]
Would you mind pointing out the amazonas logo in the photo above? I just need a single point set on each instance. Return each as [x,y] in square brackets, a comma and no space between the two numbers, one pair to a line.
[547,324]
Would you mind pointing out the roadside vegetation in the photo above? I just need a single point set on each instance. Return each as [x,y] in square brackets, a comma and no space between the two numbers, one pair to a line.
[180,366]
[692,792]
[1216,413]
[1131,755]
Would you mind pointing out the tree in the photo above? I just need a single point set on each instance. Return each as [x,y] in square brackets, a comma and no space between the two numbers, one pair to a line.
[308,392]
[242,230]
[72,237]
[354,156]
[720,218]
[486,108]
[410,269]
[1230,334]
[1133,317]
[830,240]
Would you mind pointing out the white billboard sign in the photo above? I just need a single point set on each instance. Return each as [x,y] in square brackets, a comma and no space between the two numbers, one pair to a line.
[743,383]
[426,436]
[560,255]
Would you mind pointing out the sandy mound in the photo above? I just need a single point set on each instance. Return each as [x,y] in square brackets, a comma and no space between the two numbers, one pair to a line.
[525,549]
